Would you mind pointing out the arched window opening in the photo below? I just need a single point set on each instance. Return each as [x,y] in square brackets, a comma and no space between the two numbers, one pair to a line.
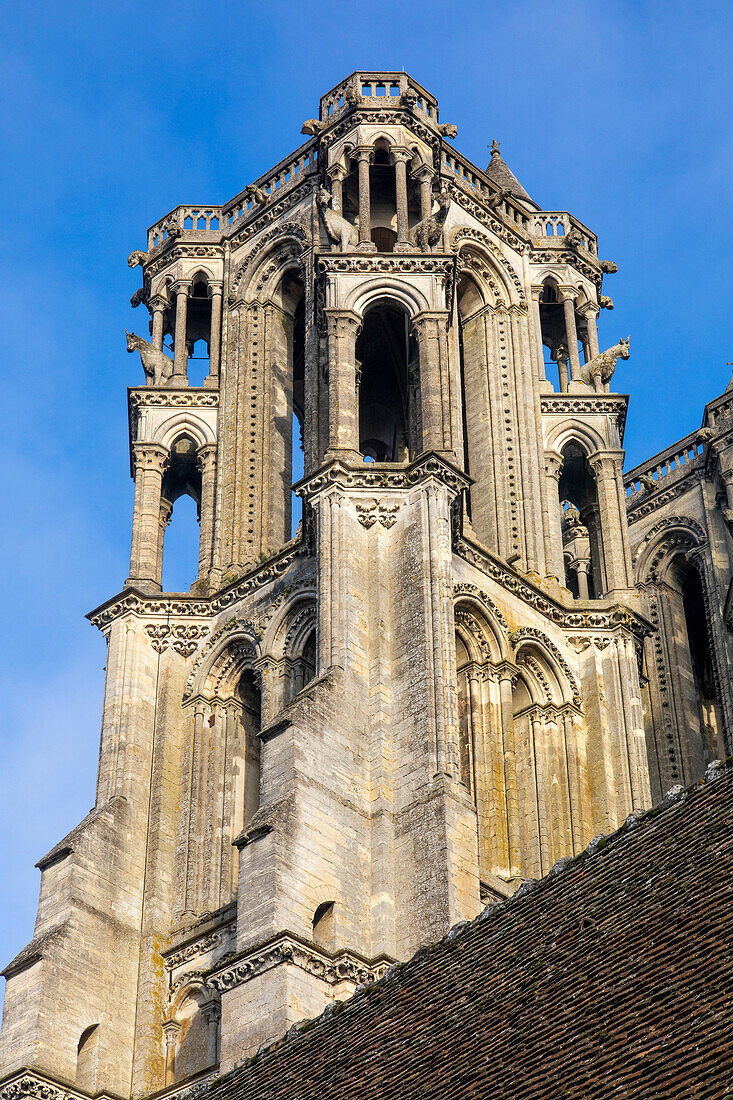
[383,198]
[87,1058]
[705,742]
[323,925]
[465,718]
[286,389]
[580,520]
[198,330]
[302,667]
[474,397]
[388,393]
[555,337]
[178,551]
[296,436]
[250,699]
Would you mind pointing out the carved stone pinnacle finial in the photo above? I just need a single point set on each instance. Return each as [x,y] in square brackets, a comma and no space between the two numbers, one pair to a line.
[494,147]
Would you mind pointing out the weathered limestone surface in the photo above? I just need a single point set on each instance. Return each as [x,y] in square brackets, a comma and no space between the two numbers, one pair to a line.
[482,647]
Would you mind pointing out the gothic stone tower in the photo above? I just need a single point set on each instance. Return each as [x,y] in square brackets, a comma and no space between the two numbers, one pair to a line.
[338,744]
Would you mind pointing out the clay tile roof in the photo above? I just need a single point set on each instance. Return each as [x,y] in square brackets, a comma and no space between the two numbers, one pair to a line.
[501,174]
[612,977]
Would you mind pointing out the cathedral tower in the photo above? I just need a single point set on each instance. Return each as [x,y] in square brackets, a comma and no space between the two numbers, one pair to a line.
[338,744]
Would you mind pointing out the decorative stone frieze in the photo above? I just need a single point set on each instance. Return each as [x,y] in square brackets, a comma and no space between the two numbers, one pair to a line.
[286,949]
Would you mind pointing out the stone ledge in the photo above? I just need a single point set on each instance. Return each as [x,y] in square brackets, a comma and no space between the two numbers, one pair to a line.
[287,948]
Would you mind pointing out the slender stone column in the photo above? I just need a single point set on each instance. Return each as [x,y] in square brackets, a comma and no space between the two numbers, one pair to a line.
[171,1031]
[159,305]
[424,176]
[582,568]
[507,680]
[211,1013]
[553,469]
[336,174]
[435,391]
[401,157]
[164,518]
[607,470]
[590,314]
[343,417]
[561,356]
[568,303]
[206,460]
[363,155]
[180,355]
[537,331]
[212,379]
[150,461]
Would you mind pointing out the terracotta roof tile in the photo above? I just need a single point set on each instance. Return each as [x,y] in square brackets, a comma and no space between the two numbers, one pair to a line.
[610,978]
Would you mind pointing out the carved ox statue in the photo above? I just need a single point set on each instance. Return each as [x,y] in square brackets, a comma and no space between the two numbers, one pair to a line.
[338,228]
[598,372]
[157,365]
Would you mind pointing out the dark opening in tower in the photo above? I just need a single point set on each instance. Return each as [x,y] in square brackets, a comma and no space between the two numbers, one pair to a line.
[386,357]
[581,533]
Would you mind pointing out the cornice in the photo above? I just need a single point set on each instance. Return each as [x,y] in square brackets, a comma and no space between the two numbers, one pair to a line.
[602,618]
[190,398]
[374,476]
[401,263]
[573,404]
[30,1083]
[132,601]
[287,948]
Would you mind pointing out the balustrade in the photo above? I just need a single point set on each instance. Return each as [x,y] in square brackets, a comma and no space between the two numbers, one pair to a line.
[679,456]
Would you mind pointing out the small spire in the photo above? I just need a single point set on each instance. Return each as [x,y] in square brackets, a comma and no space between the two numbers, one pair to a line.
[494,147]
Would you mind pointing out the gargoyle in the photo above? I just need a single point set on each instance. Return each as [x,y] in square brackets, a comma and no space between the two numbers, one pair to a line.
[409,97]
[338,228]
[138,298]
[256,194]
[172,228]
[429,231]
[157,365]
[137,257]
[448,130]
[608,267]
[574,239]
[498,197]
[647,483]
[312,126]
[606,302]
[599,371]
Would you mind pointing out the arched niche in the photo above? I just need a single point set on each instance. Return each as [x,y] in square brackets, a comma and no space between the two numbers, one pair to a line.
[192,1032]
[388,384]
[684,712]
[580,523]
[551,779]
[480,647]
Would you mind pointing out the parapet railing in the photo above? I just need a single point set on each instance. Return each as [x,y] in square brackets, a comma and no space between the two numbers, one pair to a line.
[558,223]
[373,89]
[465,172]
[679,456]
[214,219]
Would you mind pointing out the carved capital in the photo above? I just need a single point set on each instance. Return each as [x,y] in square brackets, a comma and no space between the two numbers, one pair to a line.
[158,303]
[342,323]
[150,456]
[364,152]
[181,287]
[206,457]
[423,173]
[605,465]
[336,172]
[553,464]
[430,324]
[567,293]
[399,152]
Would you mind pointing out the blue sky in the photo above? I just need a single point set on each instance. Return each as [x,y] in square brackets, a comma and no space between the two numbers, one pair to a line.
[114,113]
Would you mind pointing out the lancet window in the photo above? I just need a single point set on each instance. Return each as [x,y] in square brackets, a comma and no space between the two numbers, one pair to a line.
[389,400]
[682,691]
